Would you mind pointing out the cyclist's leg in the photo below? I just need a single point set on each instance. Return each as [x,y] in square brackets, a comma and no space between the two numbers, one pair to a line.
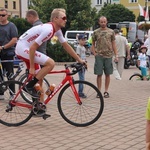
[39,59]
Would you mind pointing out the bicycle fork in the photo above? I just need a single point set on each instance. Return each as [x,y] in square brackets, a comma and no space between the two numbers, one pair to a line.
[75,91]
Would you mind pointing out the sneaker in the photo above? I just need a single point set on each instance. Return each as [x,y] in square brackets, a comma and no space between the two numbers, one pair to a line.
[31,91]
[2,97]
[82,95]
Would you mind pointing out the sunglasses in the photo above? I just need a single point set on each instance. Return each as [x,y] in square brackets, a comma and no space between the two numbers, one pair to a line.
[2,15]
[64,18]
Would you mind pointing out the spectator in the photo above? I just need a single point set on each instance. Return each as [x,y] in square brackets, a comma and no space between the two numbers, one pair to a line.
[142,63]
[81,52]
[147,43]
[103,47]
[33,18]
[8,39]
[122,47]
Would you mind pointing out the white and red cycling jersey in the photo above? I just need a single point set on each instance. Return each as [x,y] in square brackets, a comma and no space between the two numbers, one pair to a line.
[38,34]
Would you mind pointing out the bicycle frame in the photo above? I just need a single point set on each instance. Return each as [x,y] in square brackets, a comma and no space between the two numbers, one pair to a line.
[67,78]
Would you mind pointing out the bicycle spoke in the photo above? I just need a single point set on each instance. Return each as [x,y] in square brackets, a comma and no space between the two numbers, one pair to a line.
[86,113]
[13,115]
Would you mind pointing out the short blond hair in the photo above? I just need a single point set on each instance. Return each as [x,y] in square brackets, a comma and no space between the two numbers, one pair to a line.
[55,13]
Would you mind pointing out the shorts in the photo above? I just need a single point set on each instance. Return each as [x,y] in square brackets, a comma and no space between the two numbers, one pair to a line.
[143,71]
[147,115]
[22,51]
[101,64]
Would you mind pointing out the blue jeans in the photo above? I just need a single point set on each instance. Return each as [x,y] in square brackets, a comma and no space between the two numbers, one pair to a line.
[82,78]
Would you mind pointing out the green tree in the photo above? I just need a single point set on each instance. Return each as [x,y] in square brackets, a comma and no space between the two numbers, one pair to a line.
[45,7]
[81,15]
[21,24]
[116,13]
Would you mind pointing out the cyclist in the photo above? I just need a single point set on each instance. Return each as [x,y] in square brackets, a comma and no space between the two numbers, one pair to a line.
[29,42]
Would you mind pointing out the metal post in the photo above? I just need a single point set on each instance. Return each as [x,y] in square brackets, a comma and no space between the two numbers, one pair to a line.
[145,20]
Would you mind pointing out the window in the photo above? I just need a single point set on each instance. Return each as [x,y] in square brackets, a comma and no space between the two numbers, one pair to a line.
[108,1]
[99,2]
[6,4]
[133,1]
[14,5]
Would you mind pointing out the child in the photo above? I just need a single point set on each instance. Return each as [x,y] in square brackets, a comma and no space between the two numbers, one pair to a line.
[142,61]
[81,52]
[148,126]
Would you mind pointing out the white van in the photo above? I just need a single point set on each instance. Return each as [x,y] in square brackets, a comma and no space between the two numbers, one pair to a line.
[70,36]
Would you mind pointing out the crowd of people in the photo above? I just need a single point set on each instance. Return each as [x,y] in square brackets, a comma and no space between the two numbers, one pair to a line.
[108,46]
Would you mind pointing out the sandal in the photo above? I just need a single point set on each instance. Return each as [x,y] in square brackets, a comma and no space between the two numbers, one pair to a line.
[106,94]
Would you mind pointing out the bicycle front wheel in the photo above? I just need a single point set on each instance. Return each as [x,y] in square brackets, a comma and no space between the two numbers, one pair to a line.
[136,77]
[13,115]
[80,115]
[27,97]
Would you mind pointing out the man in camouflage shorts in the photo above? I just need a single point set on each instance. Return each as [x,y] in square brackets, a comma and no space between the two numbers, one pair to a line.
[103,47]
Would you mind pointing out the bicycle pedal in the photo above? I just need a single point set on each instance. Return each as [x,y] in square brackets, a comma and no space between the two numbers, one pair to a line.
[45,116]
[9,108]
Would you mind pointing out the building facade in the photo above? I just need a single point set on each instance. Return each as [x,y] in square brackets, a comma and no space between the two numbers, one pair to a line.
[130,4]
[16,8]
[133,5]
[98,4]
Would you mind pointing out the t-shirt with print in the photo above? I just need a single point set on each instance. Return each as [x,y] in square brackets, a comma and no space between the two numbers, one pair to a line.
[103,40]
[142,59]
[81,51]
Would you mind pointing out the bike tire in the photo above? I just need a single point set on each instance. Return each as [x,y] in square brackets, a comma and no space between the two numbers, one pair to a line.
[18,115]
[136,77]
[27,97]
[91,107]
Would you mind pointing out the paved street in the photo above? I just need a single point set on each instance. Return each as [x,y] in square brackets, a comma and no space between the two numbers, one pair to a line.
[121,126]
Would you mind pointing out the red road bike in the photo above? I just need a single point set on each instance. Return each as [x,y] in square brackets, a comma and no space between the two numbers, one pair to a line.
[75,110]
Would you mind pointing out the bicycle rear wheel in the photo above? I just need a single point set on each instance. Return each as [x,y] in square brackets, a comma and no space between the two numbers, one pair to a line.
[80,115]
[27,97]
[13,115]
[136,77]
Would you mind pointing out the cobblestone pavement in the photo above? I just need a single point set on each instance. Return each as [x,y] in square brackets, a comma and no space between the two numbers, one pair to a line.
[121,126]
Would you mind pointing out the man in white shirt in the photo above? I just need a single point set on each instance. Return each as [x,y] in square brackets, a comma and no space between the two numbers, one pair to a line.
[122,47]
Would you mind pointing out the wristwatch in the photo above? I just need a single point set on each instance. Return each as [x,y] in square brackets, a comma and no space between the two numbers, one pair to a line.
[2,47]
